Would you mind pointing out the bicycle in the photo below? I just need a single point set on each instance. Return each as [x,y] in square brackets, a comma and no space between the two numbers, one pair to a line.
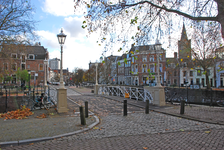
[41,102]
[220,103]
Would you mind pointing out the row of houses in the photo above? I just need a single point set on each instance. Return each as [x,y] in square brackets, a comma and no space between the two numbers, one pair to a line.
[140,66]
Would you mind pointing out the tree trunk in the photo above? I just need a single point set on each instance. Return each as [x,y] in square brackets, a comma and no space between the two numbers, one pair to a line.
[207,80]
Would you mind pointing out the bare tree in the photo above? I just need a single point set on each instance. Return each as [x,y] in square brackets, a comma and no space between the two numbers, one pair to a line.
[127,20]
[206,39]
[16,23]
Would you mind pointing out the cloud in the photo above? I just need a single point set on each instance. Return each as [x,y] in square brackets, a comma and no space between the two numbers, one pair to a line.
[48,39]
[59,7]
[73,25]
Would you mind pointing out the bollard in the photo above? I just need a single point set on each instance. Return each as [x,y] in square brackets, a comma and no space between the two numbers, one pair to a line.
[6,101]
[147,107]
[125,107]
[182,105]
[82,116]
[86,110]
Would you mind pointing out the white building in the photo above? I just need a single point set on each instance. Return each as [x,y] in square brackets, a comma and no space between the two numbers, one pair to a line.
[54,63]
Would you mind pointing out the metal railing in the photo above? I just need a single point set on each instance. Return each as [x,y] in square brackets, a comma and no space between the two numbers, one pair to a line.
[132,92]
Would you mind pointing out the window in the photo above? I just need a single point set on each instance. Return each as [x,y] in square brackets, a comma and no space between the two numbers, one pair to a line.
[144,58]
[14,55]
[13,67]
[127,55]
[136,68]
[23,58]
[175,81]
[160,56]
[31,56]
[185,73]
[160,68]
[28,66]
[198,72]
[133,59]
[41,67]
[184,64]
[197,81]
[191,73]
[133,68]
[23,66]
[151,58]
[5,66]
[152,68]
[175,73]
[14,79]
[144,68]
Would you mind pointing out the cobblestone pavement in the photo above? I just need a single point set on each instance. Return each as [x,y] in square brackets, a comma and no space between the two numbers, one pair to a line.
[136,131]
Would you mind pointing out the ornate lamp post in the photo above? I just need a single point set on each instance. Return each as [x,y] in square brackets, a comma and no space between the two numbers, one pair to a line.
[61,39]
[158,47]
[62,92]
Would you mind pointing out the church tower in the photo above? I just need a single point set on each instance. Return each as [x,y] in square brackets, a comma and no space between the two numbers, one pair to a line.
[184,45]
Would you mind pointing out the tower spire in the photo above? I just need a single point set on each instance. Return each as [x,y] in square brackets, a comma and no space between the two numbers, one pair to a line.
[184,33]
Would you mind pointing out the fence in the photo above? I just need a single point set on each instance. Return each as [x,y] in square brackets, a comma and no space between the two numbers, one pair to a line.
[194,96]
[11,98]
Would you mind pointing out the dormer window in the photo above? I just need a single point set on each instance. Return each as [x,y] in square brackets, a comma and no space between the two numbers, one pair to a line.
[14,55]
[31,56]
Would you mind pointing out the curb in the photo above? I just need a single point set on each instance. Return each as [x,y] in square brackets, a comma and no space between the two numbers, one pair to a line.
[21,142]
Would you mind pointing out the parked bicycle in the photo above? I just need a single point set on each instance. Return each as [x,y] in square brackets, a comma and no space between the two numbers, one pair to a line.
[220,103]
[41,102]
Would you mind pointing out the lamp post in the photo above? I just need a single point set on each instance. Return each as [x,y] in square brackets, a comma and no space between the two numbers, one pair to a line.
[96,64]
[158,47]
[61,39]
[61,91]
[45,75]
[96,86]
[29,78]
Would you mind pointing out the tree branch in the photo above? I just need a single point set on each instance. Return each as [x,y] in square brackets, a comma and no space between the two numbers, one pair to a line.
[174,11]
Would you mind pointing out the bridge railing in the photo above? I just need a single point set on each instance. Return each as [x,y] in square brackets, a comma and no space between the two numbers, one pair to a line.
[132,92]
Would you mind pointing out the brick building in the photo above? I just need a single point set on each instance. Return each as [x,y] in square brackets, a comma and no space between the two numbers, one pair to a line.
[31,58]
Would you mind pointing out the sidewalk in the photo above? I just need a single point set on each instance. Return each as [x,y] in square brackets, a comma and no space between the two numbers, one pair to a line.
[16,132]
[200,113]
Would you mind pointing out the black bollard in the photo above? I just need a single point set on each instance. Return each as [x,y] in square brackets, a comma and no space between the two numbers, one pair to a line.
[125,108]
[82,116]
[6,101]
[86,110]
[147,107]
[182,105]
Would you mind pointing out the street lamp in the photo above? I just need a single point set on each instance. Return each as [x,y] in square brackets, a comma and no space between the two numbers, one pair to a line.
[96,64]
[29,79]
[158,47]
[62,91]
[61,39]
[45,74]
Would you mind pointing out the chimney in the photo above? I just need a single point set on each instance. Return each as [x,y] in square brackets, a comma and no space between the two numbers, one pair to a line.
[175,54]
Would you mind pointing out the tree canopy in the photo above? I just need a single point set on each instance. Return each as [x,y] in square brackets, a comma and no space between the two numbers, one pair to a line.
[16,22]
[142,21]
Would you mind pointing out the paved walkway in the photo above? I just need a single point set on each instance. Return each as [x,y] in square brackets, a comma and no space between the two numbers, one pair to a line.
[135,131]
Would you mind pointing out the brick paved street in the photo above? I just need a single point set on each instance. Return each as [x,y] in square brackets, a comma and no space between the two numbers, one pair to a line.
[136,131]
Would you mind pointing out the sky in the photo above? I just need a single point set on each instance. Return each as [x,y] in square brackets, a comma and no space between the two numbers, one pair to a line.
[78,50]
